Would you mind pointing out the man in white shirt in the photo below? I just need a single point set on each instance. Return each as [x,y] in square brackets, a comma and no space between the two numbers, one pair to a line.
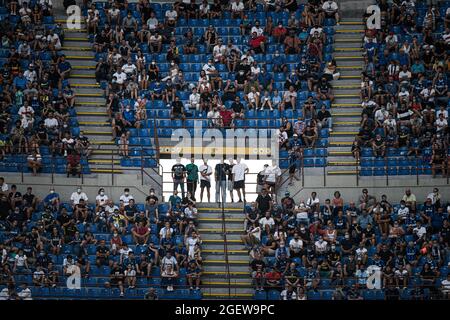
[120,76]
[77,196]
[205,171]
[296,246]
[443,111]
[210,69]
[239,170]
[219,51]
[129,68]
[126,197]
[331,10]
[30,74]
[237,9]
[171,16]
[272,173]
[257,29]
[321,246]
[51,122]
[381,115]
[441,123]
[152,22]
[54,40]
[194,100]
[267,223]
[419,230]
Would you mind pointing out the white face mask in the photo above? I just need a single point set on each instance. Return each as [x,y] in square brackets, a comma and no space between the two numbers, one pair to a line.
[79,190]
[102,193]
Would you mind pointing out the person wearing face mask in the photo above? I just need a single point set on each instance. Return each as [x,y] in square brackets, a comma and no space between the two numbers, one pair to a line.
[126,197]
[77,196]
[101,199]
[152,195]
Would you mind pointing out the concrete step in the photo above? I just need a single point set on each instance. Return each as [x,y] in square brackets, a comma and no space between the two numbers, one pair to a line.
[345,128]
[233,237]
[346,112]
[343,45]
[353,25]
[88,64]
[84,81]
[350,64]
[235,258]
[238,270]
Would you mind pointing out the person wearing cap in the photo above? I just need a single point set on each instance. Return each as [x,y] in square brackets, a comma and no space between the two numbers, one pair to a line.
[211,38]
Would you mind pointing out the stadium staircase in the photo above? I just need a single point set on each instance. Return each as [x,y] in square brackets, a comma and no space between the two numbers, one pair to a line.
[216,284]
[346,109]
[90,100]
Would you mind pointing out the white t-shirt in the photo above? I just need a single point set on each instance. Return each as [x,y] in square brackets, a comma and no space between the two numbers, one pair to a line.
[444,112]
[272,173]
[121,77]
[296,245]
[4,187]
[25,294]
[20,260]
[129,68]
[403,212]
[76,197]
[101,199]
[420,231]
[206,169]
[329,7]
[126,199]
[239,6]
[259,31]
[266,222]
[239,171]
[171,15]
[51,123]
[441,124]
[321,246]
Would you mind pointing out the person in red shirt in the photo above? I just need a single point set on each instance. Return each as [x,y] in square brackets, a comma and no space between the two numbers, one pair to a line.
[279,32]
[73,164]
[226,116]
[273,279]
[140,233]
[257,43]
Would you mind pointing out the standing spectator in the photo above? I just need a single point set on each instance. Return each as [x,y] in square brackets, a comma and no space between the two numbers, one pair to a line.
[192,177]
[221,182]
[178,176]
[205,179]
[239,171]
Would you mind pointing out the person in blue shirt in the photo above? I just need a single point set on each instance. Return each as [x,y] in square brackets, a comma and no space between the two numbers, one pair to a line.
[52,199]
[64,67]
[403,58]
[130,117]
[371,49]
[157,91]
[20,82]
[265,80]
[417,68]
[279,63]
[427,211]
[292,80]
[174,200]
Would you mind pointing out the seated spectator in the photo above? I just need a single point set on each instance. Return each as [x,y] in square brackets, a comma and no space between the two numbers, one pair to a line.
[73,164]
[34,162]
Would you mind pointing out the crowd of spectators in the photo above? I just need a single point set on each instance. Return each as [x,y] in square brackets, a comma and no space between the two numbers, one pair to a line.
[301,247]
[404,87]
[37,102]
[230,78]
[109,243]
